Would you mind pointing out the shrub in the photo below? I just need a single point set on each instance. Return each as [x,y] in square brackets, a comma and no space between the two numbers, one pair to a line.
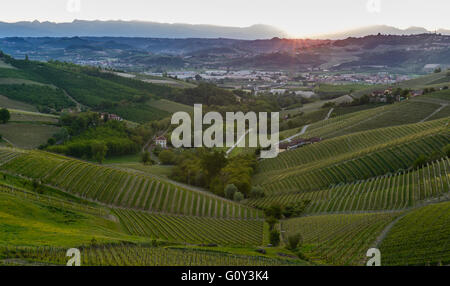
[146,158]
[271,221]
[274,238]
[230,191]
[99,150]
[446,150]
[420,161]
[274,211]
[51,141]
[295,241]
[257,192]
[167,157]
[4,115]
[238,196]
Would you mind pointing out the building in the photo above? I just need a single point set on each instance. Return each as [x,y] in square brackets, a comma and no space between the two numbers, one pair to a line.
[161,141]
[108,116]
[297,143]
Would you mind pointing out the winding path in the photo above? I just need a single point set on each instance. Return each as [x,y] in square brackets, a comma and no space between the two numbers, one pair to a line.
[296,135]
[237,143]
[443,105]
[329,114]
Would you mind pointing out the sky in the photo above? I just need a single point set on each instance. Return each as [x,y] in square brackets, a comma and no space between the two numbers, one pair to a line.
[296,17]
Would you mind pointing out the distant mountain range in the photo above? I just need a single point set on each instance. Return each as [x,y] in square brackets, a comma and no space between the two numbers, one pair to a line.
[379,29]
[83,28]
[135,29]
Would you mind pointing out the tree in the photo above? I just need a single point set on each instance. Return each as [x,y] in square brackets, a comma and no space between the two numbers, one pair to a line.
[271,221]
[238,196]
[51,141]
[295,241]
[167,157]
[99,150]
[273,211]
[212,163]
[230,190]
[420,161]
[446,150]
[4,115]
[438,70]
[257,192]
[157,150]
[274,238]
[62,135]
[146,158]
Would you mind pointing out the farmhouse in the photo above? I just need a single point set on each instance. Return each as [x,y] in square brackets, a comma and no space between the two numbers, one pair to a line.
[109,116]
[161,141]
[297,143]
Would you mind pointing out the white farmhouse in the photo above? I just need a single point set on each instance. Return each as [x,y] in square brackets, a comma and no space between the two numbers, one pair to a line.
[161,141]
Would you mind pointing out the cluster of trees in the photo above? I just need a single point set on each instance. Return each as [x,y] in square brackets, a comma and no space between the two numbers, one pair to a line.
[85,135]
[276,212]
[4,115]
[211,169]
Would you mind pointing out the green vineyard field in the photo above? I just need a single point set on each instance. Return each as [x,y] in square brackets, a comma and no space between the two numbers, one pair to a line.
[338,239]
[115,187]
[373,161]
[137,255]
[422,237]
[389,192]
[184,229]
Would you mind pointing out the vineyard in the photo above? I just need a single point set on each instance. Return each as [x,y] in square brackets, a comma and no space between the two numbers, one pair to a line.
[419,238]
[136,255]
[338,239]
[119,188]
[397,191]
[184,229]
[350,144]
[394,155]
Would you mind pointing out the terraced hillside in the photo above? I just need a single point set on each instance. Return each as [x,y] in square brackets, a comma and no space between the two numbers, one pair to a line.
[397,191]
[419,238]
[352,158]
[338,239]
[115,187]
[37,228]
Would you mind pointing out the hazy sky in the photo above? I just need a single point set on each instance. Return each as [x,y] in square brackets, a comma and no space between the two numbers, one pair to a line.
[297,17]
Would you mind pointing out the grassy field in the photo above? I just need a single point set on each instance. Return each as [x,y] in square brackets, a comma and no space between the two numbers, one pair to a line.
[26,135]
[35,117]
[14,104]
[19,81]
[4,65]
[326,91]
[315,106]
[29,221]
[170,106]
